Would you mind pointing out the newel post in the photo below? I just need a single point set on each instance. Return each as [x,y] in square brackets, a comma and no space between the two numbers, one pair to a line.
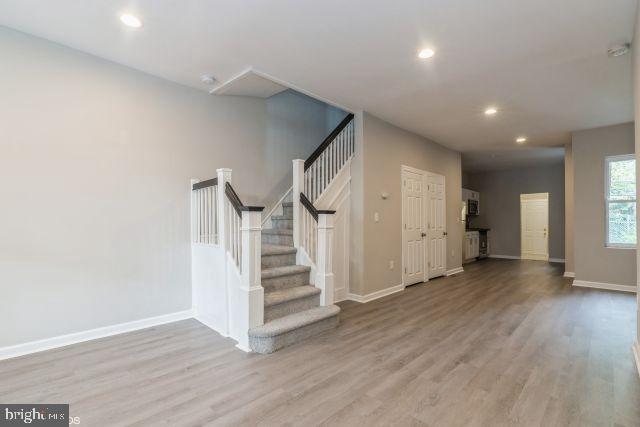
[251,281]
[324,260]
[298,187]
[224,176]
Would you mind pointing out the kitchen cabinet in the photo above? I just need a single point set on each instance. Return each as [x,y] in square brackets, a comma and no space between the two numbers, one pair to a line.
[471,245]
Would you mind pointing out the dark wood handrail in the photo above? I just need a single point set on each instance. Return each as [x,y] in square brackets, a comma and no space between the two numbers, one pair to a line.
[237,203]
[204,184]
[327,141]
[312,209]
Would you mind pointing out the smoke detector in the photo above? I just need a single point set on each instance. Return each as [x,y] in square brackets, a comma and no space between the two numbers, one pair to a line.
[619,50]
[207,79]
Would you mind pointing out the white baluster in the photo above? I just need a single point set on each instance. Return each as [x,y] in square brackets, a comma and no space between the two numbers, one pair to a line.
[298,179]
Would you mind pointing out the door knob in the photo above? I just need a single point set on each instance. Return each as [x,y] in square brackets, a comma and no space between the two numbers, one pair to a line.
[445,233]
[424,234]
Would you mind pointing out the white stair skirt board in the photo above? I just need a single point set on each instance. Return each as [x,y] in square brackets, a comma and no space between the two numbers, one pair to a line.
[636,354]
[375,295]
[92,334]
[607,286]
[454,271]
[569,274]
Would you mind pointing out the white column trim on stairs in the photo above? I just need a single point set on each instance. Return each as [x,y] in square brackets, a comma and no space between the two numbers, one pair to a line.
[606,286]
[91,334]
[375,295]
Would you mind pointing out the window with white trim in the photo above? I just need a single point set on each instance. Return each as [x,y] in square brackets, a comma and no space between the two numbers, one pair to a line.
[620,201]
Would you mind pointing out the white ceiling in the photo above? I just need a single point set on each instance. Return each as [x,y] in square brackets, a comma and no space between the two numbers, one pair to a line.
[543,63]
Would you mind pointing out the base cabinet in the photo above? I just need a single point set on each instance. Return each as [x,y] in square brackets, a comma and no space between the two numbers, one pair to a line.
[472,245]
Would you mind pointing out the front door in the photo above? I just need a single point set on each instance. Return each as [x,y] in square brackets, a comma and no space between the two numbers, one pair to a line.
[534,213]
[413,232]
[436,226]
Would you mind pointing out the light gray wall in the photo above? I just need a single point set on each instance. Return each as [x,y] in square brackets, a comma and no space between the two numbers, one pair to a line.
[296,126]
[95,163]
[569,265]
[500,205]
[636,89]
[593,261]
[385,149]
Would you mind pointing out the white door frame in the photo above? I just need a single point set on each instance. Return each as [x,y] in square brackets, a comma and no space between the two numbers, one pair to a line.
[523,199]
[424,174]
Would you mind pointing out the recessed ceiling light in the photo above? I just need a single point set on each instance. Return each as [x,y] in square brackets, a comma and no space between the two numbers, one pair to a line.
[426,53]
[490,111]
[130,21]
[521,140]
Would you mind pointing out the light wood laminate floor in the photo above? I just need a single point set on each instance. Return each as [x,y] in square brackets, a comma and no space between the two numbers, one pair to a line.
[504,343]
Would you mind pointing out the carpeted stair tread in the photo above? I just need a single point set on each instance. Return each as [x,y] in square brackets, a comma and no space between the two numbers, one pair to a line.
[294,321]
[290,294]
[277,250]
[287,204]
[270,273]
[281,231]
[282,217]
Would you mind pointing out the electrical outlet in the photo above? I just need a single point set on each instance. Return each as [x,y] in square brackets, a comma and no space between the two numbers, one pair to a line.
[391,265]
[376,217]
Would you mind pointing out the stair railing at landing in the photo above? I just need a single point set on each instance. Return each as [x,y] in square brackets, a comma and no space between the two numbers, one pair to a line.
[313,228]
[233,231]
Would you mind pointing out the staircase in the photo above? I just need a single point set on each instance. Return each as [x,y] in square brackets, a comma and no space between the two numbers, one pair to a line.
[292,310]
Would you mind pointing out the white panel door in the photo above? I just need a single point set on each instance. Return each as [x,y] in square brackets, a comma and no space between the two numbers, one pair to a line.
[534,214]
[413,202]
[436,226]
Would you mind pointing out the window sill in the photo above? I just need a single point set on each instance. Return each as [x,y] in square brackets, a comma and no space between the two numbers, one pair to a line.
[620,247]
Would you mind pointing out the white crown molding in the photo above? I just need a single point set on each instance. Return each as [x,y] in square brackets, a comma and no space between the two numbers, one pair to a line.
[569,274]
[607,286]
[375,295]
[91,334]
[454,271]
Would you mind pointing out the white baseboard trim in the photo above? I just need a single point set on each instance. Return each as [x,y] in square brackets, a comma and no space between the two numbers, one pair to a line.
[454,271]
[503,256]
[92,334]
[558,260]
[636,355]
[607,286]
[375,295]
[569,274]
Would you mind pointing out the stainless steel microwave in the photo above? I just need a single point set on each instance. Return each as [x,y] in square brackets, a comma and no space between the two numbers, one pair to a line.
[472,207]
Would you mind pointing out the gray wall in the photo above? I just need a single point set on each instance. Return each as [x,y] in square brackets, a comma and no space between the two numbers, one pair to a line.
[593,261]
[95,162]
[569,265]
[636,88]
[385,148]
[500,205]
[296,126]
